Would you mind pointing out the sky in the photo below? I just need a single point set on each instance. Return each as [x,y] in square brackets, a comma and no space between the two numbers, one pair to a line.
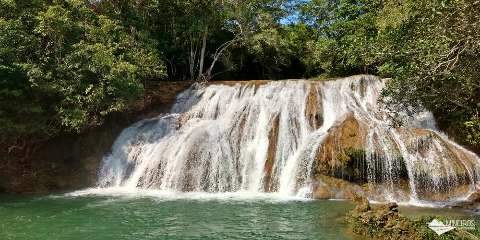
[294,15]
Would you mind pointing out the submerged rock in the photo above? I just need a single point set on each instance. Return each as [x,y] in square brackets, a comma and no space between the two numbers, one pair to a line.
[471,203]
[332,188]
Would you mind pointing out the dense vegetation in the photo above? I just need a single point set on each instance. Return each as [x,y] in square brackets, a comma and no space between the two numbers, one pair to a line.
[66,64]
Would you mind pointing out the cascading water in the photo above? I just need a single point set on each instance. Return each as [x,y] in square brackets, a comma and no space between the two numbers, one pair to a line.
[273,137]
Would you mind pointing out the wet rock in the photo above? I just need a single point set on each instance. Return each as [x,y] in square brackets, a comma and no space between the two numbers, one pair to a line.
[474,197]
[381,222]
[362,204]
[342,154]
[332,188]
[385,222]
[72,161]
[313,110]
[392,206]
[471,203]
[269,185]
[443,169]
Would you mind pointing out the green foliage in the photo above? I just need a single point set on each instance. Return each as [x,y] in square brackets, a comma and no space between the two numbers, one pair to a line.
[430,50]
[472,131]
[66,64]
[64,67]
[345,33]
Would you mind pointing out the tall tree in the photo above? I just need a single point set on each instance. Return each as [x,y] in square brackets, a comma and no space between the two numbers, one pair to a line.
[64,67]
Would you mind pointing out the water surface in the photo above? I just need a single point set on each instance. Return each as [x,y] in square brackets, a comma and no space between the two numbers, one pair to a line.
[116,217]
[157,215]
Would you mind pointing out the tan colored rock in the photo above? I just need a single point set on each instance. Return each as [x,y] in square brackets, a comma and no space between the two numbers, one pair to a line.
[431,151]
[272,149]
[346,136]
[333,188]
[313,111]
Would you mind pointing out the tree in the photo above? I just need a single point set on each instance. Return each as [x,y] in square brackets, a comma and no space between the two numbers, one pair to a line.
[346,35]
[64,66]
[431,51]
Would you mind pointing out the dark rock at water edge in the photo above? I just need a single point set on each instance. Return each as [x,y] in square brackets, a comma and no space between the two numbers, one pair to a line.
[71,161]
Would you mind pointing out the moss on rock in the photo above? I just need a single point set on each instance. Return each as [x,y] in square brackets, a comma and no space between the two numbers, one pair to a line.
[342,154]
[385,222]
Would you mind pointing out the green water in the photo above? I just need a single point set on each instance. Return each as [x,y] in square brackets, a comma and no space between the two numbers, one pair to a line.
[148,218]
[114,217]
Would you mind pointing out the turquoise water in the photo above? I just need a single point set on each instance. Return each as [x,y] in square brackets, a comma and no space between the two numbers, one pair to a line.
[150,218]
[128,216]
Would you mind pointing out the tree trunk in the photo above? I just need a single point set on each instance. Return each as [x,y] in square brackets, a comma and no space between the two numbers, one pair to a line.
[218,54]
[202,54]
[193,58]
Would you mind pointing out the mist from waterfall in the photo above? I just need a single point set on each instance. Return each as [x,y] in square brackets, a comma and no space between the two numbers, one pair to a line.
[258,138]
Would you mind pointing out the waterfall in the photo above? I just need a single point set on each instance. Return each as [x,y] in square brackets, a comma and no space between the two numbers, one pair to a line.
[280,136]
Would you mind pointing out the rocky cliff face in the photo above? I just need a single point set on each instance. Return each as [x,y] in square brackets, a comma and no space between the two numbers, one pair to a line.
[320,139]
[72,161]
[329,139]
[347,166]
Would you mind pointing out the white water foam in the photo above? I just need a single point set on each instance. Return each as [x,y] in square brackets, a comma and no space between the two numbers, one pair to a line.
[159,195]
[217,143]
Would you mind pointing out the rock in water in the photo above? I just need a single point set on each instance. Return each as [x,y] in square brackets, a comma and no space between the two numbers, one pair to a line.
[288,137]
